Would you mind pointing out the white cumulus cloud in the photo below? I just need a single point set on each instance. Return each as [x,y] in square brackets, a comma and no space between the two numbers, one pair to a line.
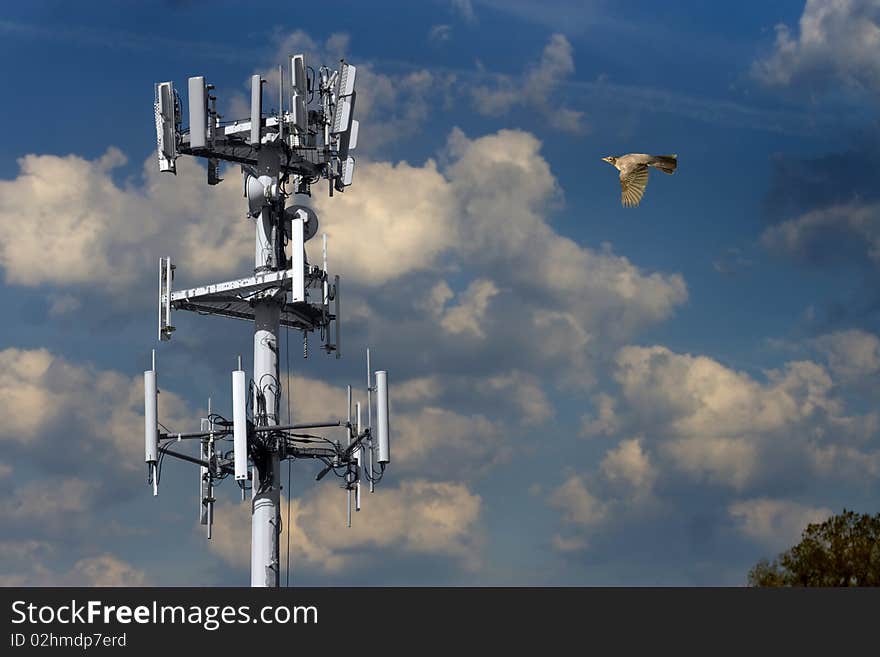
[418,517]
[837,43]
[775,523]
[536,90]
[725,426]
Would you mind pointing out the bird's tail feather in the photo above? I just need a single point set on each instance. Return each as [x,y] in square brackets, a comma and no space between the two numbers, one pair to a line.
[666,163]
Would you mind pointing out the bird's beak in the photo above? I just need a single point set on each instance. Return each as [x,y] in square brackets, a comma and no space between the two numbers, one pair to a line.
[606,159]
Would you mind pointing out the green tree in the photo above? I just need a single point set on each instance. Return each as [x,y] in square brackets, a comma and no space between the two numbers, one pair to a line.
[842,551]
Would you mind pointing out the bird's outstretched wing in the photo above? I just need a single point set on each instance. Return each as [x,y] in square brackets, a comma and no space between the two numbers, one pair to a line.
[632,185]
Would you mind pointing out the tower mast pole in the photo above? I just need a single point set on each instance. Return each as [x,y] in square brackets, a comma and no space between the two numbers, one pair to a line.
[266,473]
[272,150]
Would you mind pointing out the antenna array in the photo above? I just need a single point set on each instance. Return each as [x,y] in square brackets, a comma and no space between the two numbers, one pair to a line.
[298,142]
[280,155]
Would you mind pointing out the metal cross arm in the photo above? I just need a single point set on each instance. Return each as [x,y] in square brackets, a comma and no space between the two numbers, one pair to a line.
[230,145]
[364,437]
[305,425]
[235,298]
[240,287]
[216,466]
[192,434]
[311,452]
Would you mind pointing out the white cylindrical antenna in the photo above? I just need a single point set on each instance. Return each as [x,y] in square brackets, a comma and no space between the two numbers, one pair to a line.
[382,416]
[198,113]
[151,419]
[151,424]
[239,424]
[256,108]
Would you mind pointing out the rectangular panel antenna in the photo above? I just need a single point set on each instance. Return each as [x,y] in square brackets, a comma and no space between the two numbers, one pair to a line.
[348,141]
[166,127]
[166,276]
[345,83]
[256,108]
[299,98]
[297,258]
[382,416]
[300,112]
[298,80]
[347,173]
[353,134]
[239,424]
[345,96]
[342,114]
[198,112]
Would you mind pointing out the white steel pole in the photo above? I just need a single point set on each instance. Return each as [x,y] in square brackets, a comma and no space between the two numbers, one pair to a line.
[266,517]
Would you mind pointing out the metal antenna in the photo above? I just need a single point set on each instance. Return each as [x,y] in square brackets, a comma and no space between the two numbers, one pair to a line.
[358,462]
[206,481]
[281,101]
[347,482]
[151,426]
[326,282]
[370,423]
[210,456]
[302,146]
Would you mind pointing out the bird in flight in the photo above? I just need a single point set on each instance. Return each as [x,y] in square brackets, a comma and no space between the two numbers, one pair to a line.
[634,173]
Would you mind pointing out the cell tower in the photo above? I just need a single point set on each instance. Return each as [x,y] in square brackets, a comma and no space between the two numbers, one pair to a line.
[281,155]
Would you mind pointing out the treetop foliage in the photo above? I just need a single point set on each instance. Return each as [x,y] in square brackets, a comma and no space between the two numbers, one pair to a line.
[841,551]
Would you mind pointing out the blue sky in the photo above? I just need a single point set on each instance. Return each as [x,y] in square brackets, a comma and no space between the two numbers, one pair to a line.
[584,394]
